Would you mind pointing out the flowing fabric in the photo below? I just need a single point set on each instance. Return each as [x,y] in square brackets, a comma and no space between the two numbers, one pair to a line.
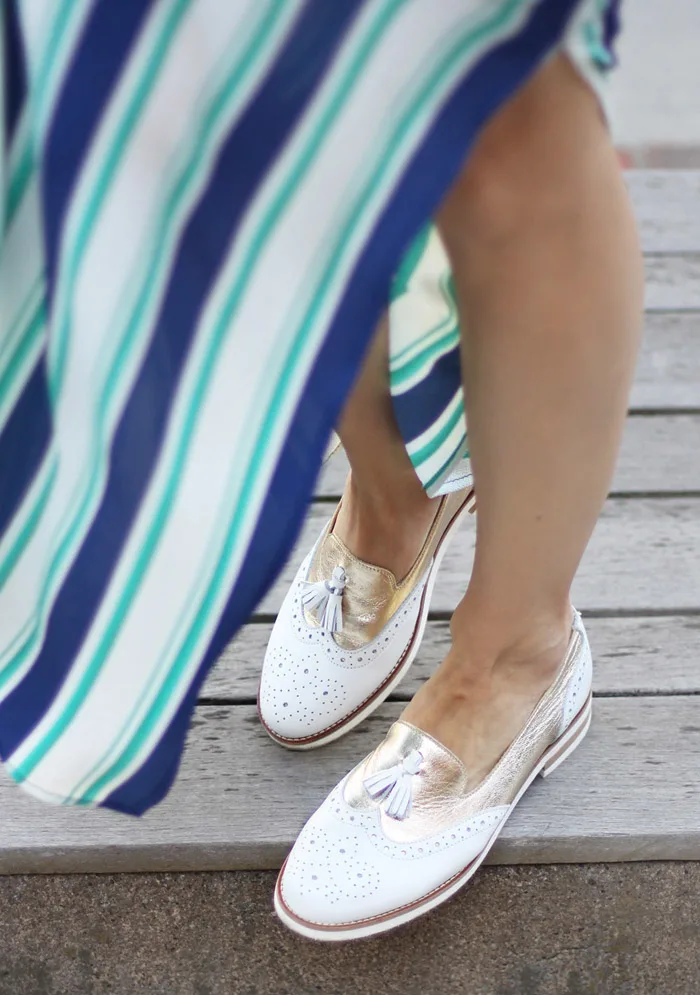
[206,206]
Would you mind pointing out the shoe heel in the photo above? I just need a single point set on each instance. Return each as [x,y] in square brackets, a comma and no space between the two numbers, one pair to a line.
[567,743]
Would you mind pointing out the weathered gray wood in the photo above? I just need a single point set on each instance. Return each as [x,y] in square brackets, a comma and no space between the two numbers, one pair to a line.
[632,655]
[672,282]
[644,555]
[667,377]
[659,453]
[667,207]
[629,793]
[668,372]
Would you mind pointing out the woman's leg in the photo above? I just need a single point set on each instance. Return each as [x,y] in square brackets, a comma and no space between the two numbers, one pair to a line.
[385,514]
[543,245]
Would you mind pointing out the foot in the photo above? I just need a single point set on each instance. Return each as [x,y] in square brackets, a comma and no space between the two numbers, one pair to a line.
[406,828]
[329,665]
[386,530]
[479,699]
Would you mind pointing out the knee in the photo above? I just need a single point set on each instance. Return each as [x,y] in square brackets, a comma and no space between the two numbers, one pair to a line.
[530,167]
[509,186]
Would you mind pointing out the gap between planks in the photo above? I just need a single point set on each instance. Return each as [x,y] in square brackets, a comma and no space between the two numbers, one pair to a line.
[643,554]
[646,655]
[660,454]
[630,792]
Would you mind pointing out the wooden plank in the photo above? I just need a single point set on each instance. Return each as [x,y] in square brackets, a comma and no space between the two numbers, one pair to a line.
[668,372]
[667,207]
[629,793]
[672,282]
[667,378]
[632,656]
[659,453]
[643,556]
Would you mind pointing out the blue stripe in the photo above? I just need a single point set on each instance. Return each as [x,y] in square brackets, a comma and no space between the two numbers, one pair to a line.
[244,159]
[418,408]
[15,68]
[431,172]
[97,63]
[611,28]
[23,443]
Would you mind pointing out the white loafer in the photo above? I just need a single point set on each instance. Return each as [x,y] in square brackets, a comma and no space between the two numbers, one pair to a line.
[346,634]
[406,829]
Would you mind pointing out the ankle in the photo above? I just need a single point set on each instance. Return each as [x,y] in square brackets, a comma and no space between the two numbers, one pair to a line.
[505,643]
[385,531]
[399,501]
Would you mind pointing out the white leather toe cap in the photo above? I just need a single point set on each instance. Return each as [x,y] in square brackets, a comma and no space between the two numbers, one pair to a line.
[310,684]
[299,695]
[344,870]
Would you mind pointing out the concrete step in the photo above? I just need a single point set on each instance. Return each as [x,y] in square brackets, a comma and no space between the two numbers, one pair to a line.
[604,929]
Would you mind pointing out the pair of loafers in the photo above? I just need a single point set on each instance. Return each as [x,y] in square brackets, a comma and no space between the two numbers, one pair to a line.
[407,827]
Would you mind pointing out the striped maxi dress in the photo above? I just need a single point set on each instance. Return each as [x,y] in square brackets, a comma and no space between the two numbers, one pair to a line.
[206,206]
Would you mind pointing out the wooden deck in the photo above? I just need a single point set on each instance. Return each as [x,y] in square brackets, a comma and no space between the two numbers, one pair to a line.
[632,792]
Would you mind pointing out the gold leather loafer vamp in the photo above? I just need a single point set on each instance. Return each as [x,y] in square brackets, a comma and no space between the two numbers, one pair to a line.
[442,795]
[372,594]
[369,591]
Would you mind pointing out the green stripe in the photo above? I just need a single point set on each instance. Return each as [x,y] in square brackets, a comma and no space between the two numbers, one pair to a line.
[47,62]
[410,262]
[215,117]
[20,175]
[112,160]
[64,16]
[26,346]
[269,24]
[425,358]
[427,346]
[68,15]
[456,452]
[446,284]
[288,376]
[426,451]
[125,349]
[597,52]
[19,544]
[22,321]
[266,227]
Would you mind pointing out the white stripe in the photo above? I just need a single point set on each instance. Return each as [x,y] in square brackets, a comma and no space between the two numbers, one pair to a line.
[21,288]
[20,142]
[435,427]
[454,442]
[424,369]
[37,19]
[22,256]
[450,453]
[287,265]
[424,306]
[111,275]
[4,151]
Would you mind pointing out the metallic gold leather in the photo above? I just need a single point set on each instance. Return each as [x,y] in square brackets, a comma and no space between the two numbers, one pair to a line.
[372,594]
[442,793]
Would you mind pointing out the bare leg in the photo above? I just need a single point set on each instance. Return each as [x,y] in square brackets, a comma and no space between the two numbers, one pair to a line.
[545,257]
[385,514]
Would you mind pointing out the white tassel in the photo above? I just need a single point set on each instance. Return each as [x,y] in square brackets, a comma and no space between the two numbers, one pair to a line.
[325,597]
[393,786]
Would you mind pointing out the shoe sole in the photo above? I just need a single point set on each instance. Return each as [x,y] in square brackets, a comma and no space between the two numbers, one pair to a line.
[405,662]
[550,760]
